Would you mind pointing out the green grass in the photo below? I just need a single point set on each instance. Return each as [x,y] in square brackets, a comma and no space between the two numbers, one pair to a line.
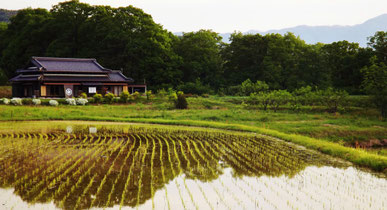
[326,132]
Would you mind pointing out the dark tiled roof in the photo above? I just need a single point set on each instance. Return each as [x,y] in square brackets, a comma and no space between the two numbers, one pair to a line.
[75,79]
[25,78]
[47,69]
[117,76]
[68,64]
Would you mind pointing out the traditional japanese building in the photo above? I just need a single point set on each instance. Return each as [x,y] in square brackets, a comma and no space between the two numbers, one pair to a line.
[69,77]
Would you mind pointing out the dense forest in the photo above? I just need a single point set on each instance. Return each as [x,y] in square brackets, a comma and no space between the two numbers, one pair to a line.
[126,38]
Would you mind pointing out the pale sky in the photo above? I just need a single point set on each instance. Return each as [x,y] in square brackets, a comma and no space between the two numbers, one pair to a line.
[240,15]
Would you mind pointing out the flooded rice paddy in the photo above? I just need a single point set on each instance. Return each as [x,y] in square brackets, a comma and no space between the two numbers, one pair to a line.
[78,165]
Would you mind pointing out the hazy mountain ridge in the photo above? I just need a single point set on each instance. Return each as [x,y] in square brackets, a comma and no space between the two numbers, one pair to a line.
[5,15]
[328,34]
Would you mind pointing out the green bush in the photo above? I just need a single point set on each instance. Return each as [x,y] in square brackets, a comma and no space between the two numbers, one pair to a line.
[172,95]
[124,96]
[97,98]
[109,97]
[332,99]
[181,102]
[248,87]
[136,95]
[375,84]
[27,101]
[278,98]
[83,95]
[149,95]
[162,93]
[262,99]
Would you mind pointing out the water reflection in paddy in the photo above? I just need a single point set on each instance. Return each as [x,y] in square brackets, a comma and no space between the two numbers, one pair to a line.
[88,166]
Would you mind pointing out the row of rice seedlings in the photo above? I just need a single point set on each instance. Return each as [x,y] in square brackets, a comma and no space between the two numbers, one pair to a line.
[53,178]
[109,172]
[20,145]
[201,170]
[85,191]
[109,200]
[40,167]
[218,155]
[214,174]
[17,169]
[211,156]
[181,172]
[285,159]
[151,169]
[277,152]
[242,152]
[163,173]
[125,191]
[54,182]
[188,168]
[105,151]
[173,170]
[268,200]
[18,153]
[140,184]
[230,158]
[58,167]
[108,159]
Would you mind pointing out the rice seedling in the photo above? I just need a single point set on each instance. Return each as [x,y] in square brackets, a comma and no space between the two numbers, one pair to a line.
[144,166]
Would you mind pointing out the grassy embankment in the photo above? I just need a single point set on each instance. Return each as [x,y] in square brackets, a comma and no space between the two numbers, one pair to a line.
[332,134]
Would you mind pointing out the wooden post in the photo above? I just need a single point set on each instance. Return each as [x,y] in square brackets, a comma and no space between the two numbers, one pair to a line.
[125,88]
[43,91]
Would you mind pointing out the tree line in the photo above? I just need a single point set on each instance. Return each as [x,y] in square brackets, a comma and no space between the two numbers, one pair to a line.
[198,62]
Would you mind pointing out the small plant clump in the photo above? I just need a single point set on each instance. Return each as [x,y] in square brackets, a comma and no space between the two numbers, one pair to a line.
[36,101]
[5,101]
[124,96]
[149,95]
[97,98]
[136,95]
[71,101]
[181,102]
[83,95]
[16,101]
[53,103]
[109,97]
[81,101]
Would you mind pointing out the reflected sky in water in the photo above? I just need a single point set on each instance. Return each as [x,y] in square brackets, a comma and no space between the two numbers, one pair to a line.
[80,165]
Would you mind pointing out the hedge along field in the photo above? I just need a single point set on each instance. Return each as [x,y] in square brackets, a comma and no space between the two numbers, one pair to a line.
[77,165]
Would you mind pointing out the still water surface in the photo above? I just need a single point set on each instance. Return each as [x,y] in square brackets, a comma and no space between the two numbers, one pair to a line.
[77,165]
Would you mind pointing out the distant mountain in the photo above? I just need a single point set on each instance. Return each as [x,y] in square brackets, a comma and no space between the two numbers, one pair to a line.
[6,14]
[328,34]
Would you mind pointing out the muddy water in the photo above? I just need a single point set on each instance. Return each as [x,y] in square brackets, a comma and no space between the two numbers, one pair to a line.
[77,165]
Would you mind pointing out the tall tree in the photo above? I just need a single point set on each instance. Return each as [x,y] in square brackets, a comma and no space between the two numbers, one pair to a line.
[375,84]
[200,53]
[345,60]
[25,36]
[379,43]
[243,57]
